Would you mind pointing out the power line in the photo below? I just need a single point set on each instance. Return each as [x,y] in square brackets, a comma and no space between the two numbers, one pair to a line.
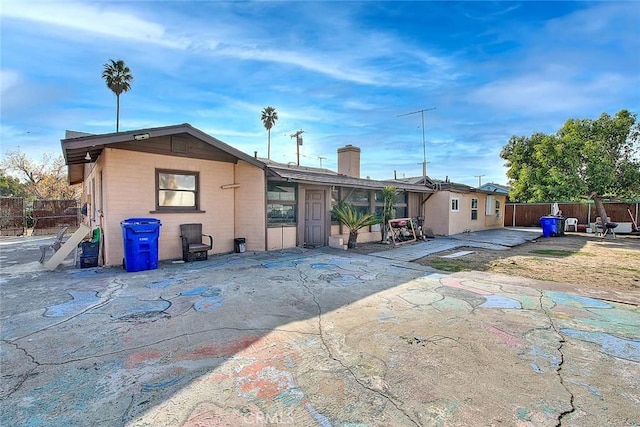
[424,143]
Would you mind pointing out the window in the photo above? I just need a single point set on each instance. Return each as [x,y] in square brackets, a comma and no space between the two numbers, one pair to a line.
[281,203]
[474,208]
[176,191]
[359,199]
[400,206]
[455,204]
[493,206]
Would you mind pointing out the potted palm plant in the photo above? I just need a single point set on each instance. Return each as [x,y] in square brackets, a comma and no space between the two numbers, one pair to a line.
[354,220]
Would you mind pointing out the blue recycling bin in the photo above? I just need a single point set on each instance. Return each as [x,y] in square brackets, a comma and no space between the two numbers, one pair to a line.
[140,238]
[550,226]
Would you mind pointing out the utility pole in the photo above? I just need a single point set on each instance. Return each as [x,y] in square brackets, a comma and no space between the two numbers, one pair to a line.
[298,138]
[424,144]
[479,179]
[321,158]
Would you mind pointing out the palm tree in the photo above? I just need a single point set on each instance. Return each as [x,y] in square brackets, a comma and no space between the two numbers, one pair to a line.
[118,77]
[390,198]
[354,220]
[269,118]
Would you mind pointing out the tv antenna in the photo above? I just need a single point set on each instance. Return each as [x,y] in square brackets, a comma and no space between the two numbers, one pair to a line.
[321,159]
[479,179]
[424,144]
[298,138]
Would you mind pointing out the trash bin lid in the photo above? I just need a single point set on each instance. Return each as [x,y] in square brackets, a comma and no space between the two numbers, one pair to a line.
[141,221]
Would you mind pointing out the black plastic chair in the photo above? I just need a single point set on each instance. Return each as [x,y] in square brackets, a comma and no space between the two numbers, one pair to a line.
[193,246]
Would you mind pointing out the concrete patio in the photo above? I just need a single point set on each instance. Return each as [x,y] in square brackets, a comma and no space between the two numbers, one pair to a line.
[309,337]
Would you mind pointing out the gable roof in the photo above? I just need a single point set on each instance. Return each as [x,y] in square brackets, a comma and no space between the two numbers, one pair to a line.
[310,175]
[76,145]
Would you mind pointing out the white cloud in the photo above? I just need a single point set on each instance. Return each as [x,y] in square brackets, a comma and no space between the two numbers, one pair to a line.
[8,80]
[99,19]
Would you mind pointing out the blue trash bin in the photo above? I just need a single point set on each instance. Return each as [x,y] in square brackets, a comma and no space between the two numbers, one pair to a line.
[549,226]
[140,238]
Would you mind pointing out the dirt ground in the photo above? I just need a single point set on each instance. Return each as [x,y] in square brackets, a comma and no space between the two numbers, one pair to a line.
[575,258]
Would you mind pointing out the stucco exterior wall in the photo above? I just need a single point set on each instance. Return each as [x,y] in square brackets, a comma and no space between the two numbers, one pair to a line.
[129,183]
[436,213]
[250,196]
[444,222]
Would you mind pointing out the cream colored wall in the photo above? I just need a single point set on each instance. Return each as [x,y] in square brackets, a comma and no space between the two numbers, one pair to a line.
[436,213]
[443,221]
[250,215]
[129,181]
[364,236]
[281,237]
[493,221]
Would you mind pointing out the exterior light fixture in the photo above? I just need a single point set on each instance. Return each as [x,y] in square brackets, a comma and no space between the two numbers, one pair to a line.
[141,136]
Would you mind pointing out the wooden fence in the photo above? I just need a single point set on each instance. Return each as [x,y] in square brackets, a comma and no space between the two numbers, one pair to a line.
[528,214]
[44,217]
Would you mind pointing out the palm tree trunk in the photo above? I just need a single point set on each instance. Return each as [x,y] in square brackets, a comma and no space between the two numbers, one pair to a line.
[353,238]
[268,144]
[117,113]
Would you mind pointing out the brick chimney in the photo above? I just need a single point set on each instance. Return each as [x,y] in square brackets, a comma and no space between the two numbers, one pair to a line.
[349,161]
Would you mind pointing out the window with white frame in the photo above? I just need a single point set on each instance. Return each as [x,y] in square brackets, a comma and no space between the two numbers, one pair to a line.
[474,208]
[455,204]
[498,209]
[489,207]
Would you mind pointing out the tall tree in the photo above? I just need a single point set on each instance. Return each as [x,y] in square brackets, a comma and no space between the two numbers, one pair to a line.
[586,158]
[269,118]
[46,179]
[11,186]
[118,78]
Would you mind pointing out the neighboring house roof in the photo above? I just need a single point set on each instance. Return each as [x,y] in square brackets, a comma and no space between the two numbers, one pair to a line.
[495,188]
[310,175]
[76,146]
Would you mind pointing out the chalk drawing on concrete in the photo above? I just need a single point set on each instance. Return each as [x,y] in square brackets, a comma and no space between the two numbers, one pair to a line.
[161,385]
[131,308]
[319,418]
[591,388]
[577,300]
[195,291]
[164,283]
[496,301]
[81,300]
[208,303]
[623,348]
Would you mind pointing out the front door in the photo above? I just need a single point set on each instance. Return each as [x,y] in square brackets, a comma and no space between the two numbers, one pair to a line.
[314,215]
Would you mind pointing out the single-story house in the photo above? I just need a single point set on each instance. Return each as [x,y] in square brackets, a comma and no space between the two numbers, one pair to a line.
[179,174]
[457,208]
[318,190]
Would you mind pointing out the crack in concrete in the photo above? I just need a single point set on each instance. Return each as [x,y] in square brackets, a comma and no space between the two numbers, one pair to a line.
[27,374]
[558,369]
[303,281]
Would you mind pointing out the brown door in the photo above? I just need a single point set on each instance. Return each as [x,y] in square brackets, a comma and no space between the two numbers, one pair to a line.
[314,215]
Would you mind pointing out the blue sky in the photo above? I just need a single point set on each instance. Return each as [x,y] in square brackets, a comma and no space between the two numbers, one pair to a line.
[341,71]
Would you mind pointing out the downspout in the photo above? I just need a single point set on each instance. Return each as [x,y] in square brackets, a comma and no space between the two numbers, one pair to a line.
[266,224]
